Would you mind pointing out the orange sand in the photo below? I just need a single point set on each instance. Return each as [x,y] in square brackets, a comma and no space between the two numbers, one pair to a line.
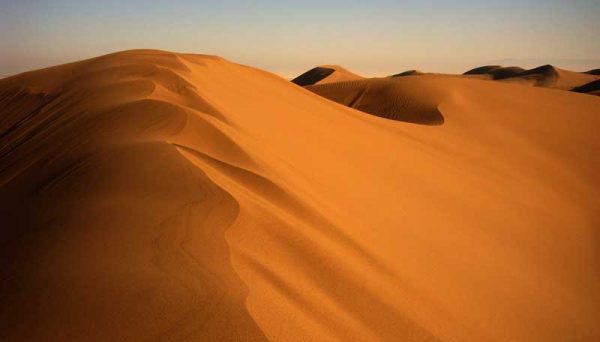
[152,195]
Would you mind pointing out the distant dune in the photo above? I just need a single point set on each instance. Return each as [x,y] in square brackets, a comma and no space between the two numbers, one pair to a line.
[325,74]
[408,73]
[387,98]
[592,88]
[149,195]
[544,76]
[497,72]
[390,99]
[593,72]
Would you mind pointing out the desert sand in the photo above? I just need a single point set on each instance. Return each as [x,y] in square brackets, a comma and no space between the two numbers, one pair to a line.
[149,195]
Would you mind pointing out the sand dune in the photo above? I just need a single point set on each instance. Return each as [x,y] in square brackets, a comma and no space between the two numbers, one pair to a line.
[408,73]
[593,72]
[148,195]
[592,88]
[325,74]
[544,76]
[390,99]
[496,72]
[387,98]
[552,77]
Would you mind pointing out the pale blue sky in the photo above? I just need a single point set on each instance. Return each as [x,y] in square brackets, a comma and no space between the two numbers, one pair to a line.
[374,37]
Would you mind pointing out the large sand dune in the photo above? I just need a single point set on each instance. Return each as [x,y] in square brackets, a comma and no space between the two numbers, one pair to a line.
[148,195]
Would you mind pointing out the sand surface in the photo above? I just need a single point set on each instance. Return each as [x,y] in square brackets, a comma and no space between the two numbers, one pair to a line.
[148,195]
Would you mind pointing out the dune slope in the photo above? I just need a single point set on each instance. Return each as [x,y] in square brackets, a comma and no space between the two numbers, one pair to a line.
[153,195]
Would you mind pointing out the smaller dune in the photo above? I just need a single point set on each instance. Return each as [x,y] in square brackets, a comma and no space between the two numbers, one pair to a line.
[544,75]
[408,73]
[508,72]
[496,72]
[592,88]
[593,72]
[387,97]
[547,76]
[394,99]
[552,77]
[325,74]
[486,69]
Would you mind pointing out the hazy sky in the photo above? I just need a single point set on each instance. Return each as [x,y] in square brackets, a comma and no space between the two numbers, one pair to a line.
[374,37]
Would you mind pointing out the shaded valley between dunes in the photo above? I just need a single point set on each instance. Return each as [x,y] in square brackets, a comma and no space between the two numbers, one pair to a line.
[151,195]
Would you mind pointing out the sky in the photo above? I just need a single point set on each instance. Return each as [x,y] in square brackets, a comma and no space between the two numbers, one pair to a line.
[374,38]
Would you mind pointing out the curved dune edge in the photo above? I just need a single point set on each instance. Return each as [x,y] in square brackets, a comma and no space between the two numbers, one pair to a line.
[153,195]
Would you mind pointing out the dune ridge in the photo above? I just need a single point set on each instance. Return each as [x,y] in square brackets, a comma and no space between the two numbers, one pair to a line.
[156,195]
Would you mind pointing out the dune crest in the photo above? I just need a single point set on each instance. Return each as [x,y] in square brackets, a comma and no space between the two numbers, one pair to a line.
[164,196]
